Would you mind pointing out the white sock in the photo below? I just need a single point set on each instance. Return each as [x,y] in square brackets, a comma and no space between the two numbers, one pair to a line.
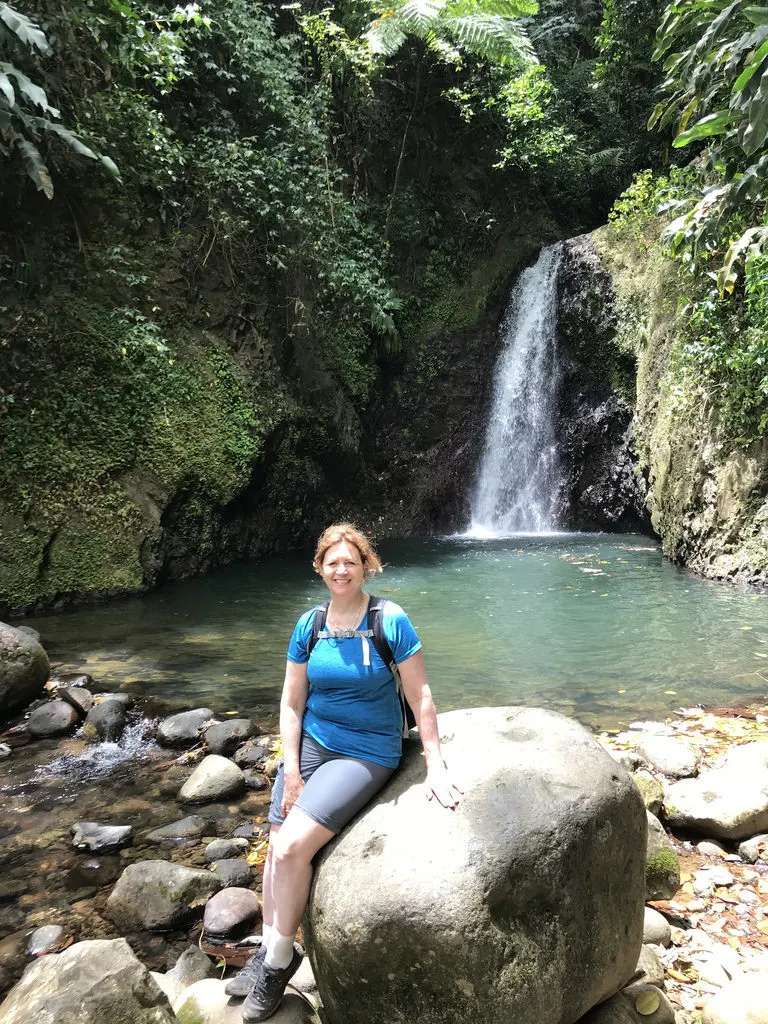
[279,950]
[266,931]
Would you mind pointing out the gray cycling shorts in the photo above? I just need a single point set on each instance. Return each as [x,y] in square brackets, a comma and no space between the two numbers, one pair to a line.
[336,786]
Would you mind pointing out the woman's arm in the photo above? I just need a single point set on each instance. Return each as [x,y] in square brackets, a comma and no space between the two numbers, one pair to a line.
[291,714]
[419,696]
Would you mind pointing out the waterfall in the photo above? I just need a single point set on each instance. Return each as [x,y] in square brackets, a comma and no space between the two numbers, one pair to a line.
[519,472]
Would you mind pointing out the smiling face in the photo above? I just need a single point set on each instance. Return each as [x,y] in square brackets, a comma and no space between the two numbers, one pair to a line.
[343,570]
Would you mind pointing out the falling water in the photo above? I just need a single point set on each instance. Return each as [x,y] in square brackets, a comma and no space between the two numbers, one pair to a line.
[519,472]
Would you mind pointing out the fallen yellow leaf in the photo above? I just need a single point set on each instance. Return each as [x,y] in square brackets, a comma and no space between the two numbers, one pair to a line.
[647,1002]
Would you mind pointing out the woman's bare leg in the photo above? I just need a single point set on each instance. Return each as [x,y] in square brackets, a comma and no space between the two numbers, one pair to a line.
[288,871]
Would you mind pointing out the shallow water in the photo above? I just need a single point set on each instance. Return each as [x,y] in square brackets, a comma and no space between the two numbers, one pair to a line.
[598,626]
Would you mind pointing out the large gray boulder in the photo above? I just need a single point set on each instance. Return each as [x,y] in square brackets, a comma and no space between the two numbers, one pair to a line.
[158,895]
[524,904]
[183,729]
[94,982]
[24,669]
[730,801]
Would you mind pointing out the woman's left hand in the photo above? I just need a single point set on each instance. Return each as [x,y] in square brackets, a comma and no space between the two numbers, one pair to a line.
[439,786]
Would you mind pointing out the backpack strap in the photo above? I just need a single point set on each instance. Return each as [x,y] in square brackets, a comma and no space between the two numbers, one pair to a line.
[318,624]
[378,639]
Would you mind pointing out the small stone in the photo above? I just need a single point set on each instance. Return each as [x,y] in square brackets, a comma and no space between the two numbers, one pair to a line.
[656,929]
[252,753]
[673,757]
[191,827]
[90,835]
[193,965]
[77,697]
[215,778]
[231,913]
[105,722]
[755,849]
[5,750]
[183,729]
[697,906]
[47,939]
[703,883]
[721,876]
[651,791]
[225,849]
[651,967]
[52,719]
[709,848]
[226,737]
[234,872]
[255,780]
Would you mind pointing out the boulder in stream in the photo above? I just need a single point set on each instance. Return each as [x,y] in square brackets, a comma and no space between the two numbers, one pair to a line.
[231,913]
[94,982]
[215,778]
[158,895]
[105,721]
[233,872]
[24,669]
[226,737]
[206,1002]
[54,718]
[192,827]
[183,729]
[422,914]
[90,835]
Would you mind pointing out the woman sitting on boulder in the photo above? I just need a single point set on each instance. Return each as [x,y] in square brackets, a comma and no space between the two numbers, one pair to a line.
[341,725]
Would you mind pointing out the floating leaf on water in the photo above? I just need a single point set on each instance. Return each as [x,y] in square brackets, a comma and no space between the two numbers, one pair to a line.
[621,691]
[746,627]
[671,693]
[648,1002]
[231,712]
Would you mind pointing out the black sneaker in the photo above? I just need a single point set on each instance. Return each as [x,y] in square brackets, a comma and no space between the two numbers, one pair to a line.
[244,980]
[268,989]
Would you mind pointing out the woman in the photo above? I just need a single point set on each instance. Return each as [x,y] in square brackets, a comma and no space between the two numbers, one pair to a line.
[341,728]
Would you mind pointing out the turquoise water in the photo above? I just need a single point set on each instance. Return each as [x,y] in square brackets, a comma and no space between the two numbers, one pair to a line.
[597,626]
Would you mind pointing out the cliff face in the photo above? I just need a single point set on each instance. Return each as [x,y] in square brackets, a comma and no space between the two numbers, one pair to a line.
[707,497]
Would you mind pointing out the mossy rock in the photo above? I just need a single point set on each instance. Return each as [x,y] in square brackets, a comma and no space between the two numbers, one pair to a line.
[651,790]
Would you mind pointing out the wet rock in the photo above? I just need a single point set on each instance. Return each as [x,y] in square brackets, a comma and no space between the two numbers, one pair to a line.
[93,874]
[77,697]
[92,982]
[215,778]
[225,849]
[193,965]
[225,737]
[234,872]
[662,866]
[47,939]
[709,848]
[622,1009]
[5,751]
[24,668]
[545,811]
[90,835]
[755,849]
[13,952]
[54,718]
[183,729]
[158,895]
[656,929]
[255,780]
[672,756]
[231,913]
[651,790]
[105,722]
[29,631]
[729,801]
[743,1001]
[205,1002]
[192,827]
[252,753]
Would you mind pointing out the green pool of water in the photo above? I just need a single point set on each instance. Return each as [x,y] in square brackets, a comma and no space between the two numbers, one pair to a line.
[601,627]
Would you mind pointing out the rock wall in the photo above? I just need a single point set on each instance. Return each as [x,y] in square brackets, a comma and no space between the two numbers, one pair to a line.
[707,497]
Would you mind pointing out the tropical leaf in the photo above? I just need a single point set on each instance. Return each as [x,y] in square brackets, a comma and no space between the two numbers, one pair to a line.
[35,166]
[7,89]
[418,16]
[385,36]
[492,37]
[757,15]
[712,124]
[24,29]
[34,93]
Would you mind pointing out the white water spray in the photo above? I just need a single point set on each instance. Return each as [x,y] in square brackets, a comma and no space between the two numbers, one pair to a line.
[520,471]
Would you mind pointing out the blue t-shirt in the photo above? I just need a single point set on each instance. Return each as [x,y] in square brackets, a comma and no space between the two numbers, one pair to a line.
[353,708]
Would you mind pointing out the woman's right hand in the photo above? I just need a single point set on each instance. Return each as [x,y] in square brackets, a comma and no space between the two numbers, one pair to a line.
[292,787]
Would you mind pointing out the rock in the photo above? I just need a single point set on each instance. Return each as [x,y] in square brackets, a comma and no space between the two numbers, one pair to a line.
[253,752]
[225,737]
[205,1002]
[5,750]
[47,939]
[550,833]
[255,780]
[651,790]
[105,722]
[709,848]
[158,895]
[215,778]
[53,718]
[24,669]
[662,866]
[304,980]
[94,982]
[233,872]
[730,801]
[225,849]
[651,967]
[77,697]
[171,986]
[29,631]
[231,913]
[193,965]
[628,759]
[674,757]
[755,849]
[183,729]
[656,929]
[622,1009]
[90,835]
[744,1001]
[192,827]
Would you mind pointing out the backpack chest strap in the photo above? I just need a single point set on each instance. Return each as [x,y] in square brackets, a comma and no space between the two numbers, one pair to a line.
[343,634]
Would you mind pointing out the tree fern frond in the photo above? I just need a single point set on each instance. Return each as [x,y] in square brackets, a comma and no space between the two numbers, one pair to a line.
[492,37]
[385,36]
[419,16]
[443,48]
[498,8]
